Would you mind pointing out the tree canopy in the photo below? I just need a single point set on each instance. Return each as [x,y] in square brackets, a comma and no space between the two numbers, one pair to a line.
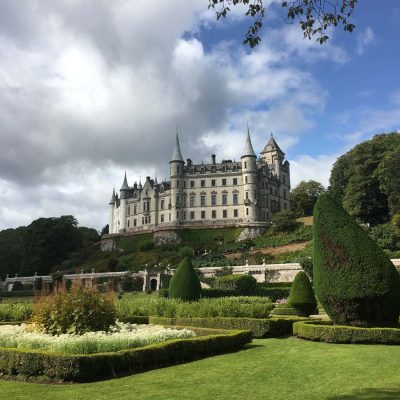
[42,245]
[366,180]
[315,17]
[304,196]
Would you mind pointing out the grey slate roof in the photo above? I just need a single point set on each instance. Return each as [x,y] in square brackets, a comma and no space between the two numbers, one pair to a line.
[125,184]
[272,146]
[112,201]
[177,155]
[248,147]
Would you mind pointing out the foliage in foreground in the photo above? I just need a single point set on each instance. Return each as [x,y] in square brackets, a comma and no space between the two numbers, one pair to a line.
[354,280]
[185,283]
[15,312]
[78,311]
[302,297]
[121,337]
[252,307]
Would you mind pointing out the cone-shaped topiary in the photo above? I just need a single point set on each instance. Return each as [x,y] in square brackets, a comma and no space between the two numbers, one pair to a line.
[354,280]
[185,283]
[302,297]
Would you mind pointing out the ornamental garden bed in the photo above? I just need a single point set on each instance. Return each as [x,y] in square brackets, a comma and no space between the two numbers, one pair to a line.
[57,364]
[325,331]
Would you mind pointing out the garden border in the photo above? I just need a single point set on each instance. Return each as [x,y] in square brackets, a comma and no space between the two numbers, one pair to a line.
[325,331]
[85,368]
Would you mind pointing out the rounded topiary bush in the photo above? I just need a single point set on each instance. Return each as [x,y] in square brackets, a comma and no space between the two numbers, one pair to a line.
[185,283]
[302,297]
[354,280]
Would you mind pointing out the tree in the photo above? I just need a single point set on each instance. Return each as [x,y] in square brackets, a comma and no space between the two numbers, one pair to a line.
[366,179]
[354,280]
[304,196]
[302,297]
[284,221]
[185,283]
[105,230]
[313,16]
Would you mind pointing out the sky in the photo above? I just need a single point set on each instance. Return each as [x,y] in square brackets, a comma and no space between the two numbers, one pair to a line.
[91,89]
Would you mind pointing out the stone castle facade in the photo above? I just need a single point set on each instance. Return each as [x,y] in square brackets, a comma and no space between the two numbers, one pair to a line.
[241,193]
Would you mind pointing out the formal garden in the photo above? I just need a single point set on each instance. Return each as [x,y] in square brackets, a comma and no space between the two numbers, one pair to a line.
[328,338]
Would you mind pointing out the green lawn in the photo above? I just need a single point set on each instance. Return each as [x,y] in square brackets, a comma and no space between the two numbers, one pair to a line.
[268,369]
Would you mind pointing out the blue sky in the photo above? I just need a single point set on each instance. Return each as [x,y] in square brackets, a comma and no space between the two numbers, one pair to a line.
[89,89]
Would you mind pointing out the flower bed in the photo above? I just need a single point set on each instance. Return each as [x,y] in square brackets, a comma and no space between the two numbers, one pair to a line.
[120,337]
[82,367]
[10,312]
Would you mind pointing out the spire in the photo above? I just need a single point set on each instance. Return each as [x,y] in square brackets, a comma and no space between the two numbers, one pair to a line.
[125,183]
[248,147]
[112,201]
[177,155]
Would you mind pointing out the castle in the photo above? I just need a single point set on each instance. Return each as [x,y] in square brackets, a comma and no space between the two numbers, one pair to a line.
[240,193]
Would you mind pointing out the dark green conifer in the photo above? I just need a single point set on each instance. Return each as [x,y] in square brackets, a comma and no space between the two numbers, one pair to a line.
[185,283]
[302,297]
[354,280]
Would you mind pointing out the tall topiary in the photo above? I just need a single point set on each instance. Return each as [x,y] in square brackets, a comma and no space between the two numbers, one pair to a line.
[185,283]
[353,278]
[302,297]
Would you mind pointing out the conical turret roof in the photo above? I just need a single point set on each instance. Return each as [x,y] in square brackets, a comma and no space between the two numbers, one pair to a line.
[125,184]
[112,201]
[177,155]
[248,147]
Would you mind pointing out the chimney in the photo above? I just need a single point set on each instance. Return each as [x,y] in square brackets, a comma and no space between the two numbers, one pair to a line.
[213,158]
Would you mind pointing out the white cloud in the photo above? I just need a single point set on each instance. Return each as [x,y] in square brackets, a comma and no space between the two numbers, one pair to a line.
[364,40]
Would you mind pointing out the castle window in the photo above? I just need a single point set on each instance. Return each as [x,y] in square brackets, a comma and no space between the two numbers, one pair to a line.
[235,181]
[184,184]
[202,200]
[203,183]
[184,215]
[178,200]
[213,214]
[192,184]
[224,213]
[177,184]
[162,217]
[284,195]
[284,206]
[184,201]
[245,179]
[177,169]
[224,182]
[247,195]
[213,200]
[134,210]
[276,192]
[235,213]
[169,216]
[284,179]
[203,169]
[142,220]
[224,199]
[245,164]
[203,215]
[212,182]
[162,204]
[134,222]
[270,190]
[192,200]
[128,223]
[191,214]
[177,215]
[235,198]
[129,210]
[247,211]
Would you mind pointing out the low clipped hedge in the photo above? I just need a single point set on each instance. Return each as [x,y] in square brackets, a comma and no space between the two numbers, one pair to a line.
[274,293]
[260,328]
[84,368]
[325,331]
[284,311]
[18,293]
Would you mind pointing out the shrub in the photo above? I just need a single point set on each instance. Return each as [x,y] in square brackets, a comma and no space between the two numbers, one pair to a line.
[15,312]
[324,331]
[274,293]
[81,310]
[131,284]
[385,236]
[147,245]
[163,293]
[284,221]
[185,283]
[186,252]
[302,297]
[17,286]
[354,280]
[243,285]
[307,265]
[57,277]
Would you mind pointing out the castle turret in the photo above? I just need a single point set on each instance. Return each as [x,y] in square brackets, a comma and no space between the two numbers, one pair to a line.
[124,192]
[249,170]
[176,166]
[273,155]
[112,211]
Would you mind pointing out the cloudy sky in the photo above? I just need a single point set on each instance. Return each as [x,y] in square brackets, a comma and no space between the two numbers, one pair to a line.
[91,88]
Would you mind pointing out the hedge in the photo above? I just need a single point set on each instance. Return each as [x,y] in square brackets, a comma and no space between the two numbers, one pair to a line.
[260,328]
[18,293]
[284,311]
[273,293]
[324,331]
[84,368]
[302,297]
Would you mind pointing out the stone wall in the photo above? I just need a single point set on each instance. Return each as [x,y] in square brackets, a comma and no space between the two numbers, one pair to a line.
[166,237]
[250,233]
